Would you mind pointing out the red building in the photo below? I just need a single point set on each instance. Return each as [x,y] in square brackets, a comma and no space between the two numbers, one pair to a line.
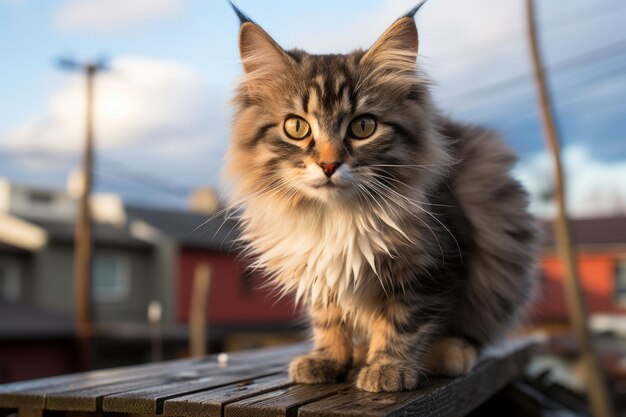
[236,296]
[237,301]
[601,254]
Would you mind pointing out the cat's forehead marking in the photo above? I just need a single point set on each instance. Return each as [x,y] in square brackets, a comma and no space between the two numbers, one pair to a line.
[314,100]
[328,93]
[319,82]
[340,79]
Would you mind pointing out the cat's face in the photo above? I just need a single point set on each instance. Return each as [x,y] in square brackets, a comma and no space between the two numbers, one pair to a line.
[331,127]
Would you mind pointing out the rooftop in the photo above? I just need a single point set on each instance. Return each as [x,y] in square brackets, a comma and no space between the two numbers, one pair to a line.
[192,230]
[601,231]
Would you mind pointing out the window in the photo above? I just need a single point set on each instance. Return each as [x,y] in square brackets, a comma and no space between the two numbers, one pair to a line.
[110,278]
[40,197]
[620,283]
[10,285]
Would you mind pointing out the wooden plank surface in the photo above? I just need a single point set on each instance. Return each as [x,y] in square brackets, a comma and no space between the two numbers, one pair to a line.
[37,397]
[90,398]
[255,384]
[282,402]
[211,403]
[344,402]
[448,397]
[150,400]
[75,387]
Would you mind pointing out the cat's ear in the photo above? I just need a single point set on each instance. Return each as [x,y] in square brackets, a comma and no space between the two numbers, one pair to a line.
[259,52]
[397,47]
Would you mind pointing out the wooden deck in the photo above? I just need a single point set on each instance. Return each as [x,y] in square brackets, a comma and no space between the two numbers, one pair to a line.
[253,383]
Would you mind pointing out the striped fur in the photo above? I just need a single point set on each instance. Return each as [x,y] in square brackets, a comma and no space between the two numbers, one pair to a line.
[417,251]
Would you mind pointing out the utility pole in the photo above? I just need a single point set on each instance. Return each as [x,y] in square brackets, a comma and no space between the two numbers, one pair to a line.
[597,390]
[82,236]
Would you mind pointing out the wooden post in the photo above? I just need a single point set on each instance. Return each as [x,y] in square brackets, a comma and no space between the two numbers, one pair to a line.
[198,335]
[598,393]
[155,313]
[82,243]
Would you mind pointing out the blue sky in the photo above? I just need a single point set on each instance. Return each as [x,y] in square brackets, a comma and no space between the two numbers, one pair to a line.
[163,112]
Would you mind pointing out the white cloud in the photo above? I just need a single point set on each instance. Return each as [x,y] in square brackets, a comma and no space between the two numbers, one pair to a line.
[155,117]
[138,99]
[105,15]
[594,188]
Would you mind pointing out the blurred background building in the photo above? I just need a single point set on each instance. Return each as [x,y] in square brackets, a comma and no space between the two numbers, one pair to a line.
[141,255]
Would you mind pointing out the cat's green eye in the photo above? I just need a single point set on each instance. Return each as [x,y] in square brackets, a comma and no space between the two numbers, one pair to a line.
[297,128]
[363,127]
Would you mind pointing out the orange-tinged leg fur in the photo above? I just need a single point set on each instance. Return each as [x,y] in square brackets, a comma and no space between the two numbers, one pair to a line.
[393,358]
[332,351]
[451,356]
[359,353]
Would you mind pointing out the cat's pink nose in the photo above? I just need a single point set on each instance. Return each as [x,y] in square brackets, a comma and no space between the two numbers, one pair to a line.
[329,168]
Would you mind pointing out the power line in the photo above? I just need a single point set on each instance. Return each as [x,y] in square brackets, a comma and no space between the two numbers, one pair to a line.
[568,97]
[550,23]
[521,119]
[148,179]
[100,174]
[583,60]
[123,172]
[568,88]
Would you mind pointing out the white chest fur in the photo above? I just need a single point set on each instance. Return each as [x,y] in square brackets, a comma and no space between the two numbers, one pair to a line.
[318,252]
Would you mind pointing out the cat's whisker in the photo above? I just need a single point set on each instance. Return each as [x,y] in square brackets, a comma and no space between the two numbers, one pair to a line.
[433,169]
[399,204]
[226,219]
[386,177]
[368,193]
[376,178]
[384,201]
[416,166]
[276,188]
[212,217]
[428,213]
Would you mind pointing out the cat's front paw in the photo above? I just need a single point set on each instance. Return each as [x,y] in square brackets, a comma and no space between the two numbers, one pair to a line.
[316,369]
[387,377]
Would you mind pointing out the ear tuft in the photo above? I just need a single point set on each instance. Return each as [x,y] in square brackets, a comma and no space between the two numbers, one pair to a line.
[243,18]
[411,13]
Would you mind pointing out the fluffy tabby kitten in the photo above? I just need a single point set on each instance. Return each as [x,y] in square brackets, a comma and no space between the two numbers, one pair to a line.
[401,230]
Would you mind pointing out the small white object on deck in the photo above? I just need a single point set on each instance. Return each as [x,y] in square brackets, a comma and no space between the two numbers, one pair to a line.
[222,359]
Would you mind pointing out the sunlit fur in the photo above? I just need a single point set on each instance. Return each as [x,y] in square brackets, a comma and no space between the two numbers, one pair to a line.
[417,251]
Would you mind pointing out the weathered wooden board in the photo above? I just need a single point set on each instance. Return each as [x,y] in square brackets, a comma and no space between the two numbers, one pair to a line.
[150,400]
[211,403]
[254,383]
[282,402]
[440,397]
[90,398]
[34,394]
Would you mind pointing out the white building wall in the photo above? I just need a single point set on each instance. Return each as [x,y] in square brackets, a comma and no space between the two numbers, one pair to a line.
[57,205]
